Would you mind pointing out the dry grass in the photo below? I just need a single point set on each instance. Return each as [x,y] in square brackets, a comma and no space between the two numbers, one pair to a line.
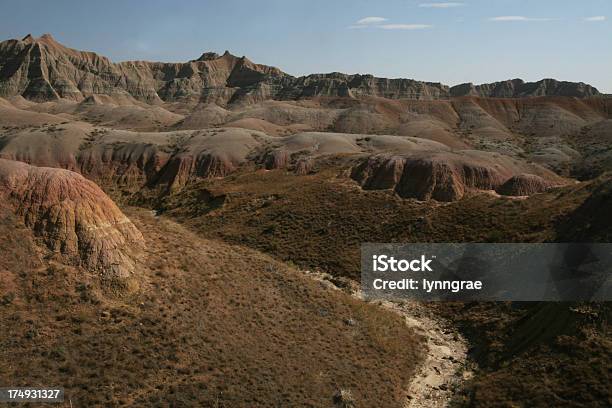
[320,220]
[223,325]
[537,354]
[216,326]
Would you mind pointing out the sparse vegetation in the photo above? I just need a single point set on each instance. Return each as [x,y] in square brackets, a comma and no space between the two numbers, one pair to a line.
[213,318]
[221,315]
[319,221]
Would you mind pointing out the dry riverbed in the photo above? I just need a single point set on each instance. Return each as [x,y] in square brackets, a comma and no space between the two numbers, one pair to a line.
[446,365]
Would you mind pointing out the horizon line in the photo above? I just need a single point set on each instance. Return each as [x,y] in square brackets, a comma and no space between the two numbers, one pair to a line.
[227,52]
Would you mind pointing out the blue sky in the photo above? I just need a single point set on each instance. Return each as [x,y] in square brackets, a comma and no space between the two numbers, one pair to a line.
[451,42]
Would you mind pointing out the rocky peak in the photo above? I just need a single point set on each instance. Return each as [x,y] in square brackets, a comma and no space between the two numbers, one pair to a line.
[212,56]
[209,56]
[47,38]
[28,38]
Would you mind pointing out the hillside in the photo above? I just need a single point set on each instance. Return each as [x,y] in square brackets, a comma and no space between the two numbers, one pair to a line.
[527,354]
[205,320]
[188,234]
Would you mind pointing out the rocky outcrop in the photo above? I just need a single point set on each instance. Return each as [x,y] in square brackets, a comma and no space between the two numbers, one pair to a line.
[43,69]
[182,168]
[524,185]
[129,165]
[74,218]
[517,88]
[303,166]
[442,176]
[206,154]
[299,152]
[379,172]
[338,84]
[277,159]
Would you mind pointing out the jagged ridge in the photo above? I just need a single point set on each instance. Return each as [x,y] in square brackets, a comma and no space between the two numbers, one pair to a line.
[43,69]
[517,88]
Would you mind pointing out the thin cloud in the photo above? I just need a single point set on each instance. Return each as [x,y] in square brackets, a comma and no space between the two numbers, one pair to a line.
[404,26]
[375,22]
[596,18]
[441,5]
[371,20]
[518,18]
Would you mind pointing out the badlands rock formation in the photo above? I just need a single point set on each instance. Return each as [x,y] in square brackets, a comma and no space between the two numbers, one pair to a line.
[517,88]
[442,176]
[524,185]
[338,84]
[161,126]
[42,69]
[168,160]
[74,218]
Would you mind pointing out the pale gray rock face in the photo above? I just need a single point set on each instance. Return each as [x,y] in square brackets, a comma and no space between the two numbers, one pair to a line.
[517,88]
[338,84]
[42,69]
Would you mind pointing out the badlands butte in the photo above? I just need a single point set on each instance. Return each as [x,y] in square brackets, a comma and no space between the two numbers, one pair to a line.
[158,219]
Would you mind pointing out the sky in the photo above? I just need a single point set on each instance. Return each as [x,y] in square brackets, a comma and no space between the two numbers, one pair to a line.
[476,41]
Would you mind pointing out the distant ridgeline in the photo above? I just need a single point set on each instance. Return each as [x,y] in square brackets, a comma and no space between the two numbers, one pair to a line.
[42,69]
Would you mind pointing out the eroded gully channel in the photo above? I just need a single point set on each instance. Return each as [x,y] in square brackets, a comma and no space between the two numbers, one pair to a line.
[446,365]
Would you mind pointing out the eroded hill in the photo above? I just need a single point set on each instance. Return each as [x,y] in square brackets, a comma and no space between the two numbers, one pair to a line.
[75,219]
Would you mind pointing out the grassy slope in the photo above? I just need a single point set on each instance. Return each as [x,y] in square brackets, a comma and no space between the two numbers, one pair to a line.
[214,326]
[319,221]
